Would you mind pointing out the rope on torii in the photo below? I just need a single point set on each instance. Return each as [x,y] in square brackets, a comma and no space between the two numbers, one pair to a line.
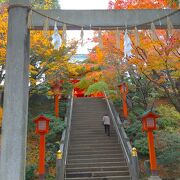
[120,28]
[127,40]
[89,26]
[57,40]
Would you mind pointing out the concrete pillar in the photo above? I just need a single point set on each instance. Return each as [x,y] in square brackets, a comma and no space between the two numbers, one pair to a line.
[14,127]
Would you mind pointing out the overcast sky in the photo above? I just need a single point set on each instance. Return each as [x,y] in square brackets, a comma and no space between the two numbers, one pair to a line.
[83,4]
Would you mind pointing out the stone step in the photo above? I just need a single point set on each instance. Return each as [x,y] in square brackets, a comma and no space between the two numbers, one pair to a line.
[111,159]
[87,118]
[102,168]
[102,137]
[101,132]
[88,108]
[85,137]
[87,126]
[87,114]
[94,152]
[97,108]
[89,156]
[86,141]
[89,101]
[93,135]
[78,129]
[97,174]
[80,149]
[101,178]
[93,141]
[83,123]
[95,164]
[93,145]
[87,129]
[86,122]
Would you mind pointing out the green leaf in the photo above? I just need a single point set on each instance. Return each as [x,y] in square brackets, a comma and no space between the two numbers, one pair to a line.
[100,86]
[83,84]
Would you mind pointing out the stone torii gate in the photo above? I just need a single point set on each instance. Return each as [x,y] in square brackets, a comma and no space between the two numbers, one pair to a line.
[14,130]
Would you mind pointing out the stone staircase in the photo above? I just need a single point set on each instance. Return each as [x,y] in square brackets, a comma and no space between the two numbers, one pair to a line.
[92,154]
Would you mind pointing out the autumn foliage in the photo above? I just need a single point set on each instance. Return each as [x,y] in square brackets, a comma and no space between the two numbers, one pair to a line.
[157,61]
[145,4]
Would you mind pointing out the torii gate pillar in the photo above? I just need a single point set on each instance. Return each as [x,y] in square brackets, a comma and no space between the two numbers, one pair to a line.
[14,128]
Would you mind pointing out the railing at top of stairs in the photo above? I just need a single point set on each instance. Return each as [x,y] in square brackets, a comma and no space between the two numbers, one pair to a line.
[129,152]
[62,153]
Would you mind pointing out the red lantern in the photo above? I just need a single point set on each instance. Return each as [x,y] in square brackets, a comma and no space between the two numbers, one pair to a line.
[42,125]
[42,128]
[149,121]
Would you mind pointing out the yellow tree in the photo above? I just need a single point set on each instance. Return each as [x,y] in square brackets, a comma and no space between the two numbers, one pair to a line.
[3,39]
[45,61]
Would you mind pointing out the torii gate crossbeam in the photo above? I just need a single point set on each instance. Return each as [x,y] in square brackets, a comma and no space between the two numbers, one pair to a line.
[107,19]
[14,129]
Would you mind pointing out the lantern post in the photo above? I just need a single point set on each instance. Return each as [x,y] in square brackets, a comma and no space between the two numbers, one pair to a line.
[124,90]
[56,88]
[149,124]
[42,128]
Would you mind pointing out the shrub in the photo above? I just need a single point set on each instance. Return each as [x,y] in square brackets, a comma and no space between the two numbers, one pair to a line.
[169,117]
[134,131]
[168,148]
[142,145]
[137,137]
[56,126]
[135,114]
[117,103]
[62,108]
[52,149]
[30,174]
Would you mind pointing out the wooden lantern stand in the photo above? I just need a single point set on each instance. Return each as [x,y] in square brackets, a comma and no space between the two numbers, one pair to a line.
[124,91]
[56,88]
[148,125]
[42,128]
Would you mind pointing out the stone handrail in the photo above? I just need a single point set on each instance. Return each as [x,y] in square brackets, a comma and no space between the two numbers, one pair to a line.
[130,155]
[62,153]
